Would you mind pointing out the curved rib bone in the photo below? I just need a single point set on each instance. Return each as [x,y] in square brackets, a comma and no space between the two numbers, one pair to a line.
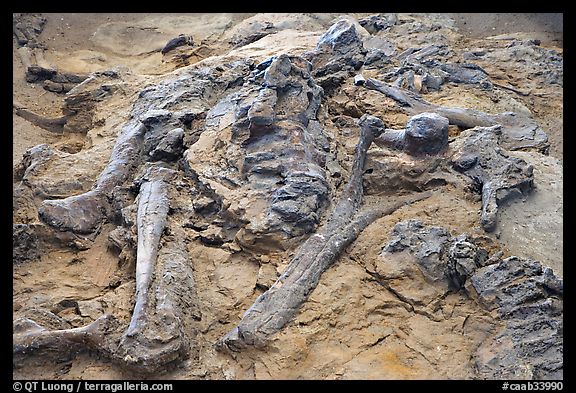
[55,124]
[277,306]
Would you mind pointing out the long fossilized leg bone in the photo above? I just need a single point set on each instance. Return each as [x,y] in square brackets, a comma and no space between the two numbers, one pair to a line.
[31,338]
[155,336]
[165,296]
[151,220]
[277,306]
[85,212]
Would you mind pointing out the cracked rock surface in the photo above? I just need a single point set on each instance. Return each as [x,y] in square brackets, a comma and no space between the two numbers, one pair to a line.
[286,196]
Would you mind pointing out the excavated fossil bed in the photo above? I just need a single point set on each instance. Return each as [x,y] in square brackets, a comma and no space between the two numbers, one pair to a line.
[287,196]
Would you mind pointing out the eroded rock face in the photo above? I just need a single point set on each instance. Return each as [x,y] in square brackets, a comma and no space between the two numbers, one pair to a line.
[525,296]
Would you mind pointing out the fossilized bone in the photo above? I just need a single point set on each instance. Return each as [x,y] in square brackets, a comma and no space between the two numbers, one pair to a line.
[278,305]
[30,338]
[518,131]
[500,176]
[522,294]
[156,336]
[84,213]
[55,124]
[425,133]
[152,212]
[165,296]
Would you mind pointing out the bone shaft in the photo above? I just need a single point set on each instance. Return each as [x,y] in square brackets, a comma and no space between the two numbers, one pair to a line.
[151,221]
[462,117]
[125,152]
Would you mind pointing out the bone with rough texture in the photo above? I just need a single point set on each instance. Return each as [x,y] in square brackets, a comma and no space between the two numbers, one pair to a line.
[165,289]
[31,338]
[85,212]
[518,131]
[165,298]
[55,124]
[152,212]
[425,133]
[499,176]
[277,306]
[525,297]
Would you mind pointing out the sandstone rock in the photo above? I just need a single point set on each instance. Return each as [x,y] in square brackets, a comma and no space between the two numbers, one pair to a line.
[90,309]
[379,45]
[266,276]
[526,297]
[533,227]
[23,205]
